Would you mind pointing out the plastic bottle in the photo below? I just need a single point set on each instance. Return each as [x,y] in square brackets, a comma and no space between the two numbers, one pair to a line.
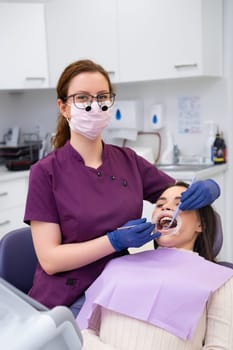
[210,132]
[219,149]
[176,154]
[224,147]
[167,156]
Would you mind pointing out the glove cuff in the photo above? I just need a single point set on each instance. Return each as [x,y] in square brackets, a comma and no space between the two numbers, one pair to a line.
[113,242]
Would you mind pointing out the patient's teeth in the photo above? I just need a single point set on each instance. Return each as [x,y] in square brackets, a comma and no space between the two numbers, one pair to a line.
[165,221]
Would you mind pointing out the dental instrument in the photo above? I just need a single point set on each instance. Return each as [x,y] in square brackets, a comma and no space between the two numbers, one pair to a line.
[130,226]
[125,227]
[176,212]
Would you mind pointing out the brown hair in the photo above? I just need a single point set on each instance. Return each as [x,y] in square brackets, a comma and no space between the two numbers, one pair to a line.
[205,240]
[63,131]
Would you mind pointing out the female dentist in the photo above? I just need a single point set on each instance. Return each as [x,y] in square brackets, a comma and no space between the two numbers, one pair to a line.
[84,190]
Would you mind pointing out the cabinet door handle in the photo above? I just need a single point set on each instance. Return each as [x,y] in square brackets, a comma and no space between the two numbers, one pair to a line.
[4,222]
[35,78]
[2,194]
[186,65]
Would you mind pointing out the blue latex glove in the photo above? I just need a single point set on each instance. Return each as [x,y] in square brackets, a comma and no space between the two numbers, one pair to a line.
[200,194]
[132,237]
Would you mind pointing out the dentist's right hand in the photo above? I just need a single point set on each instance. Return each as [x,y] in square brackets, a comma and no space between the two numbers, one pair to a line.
[132,237]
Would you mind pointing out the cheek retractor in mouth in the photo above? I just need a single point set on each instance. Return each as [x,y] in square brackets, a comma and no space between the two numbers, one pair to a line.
[165,229]
[172,230]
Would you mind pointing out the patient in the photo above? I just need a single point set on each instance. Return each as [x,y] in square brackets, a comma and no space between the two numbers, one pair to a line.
[172,298]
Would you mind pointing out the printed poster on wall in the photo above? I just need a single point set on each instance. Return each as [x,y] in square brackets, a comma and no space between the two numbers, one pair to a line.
[189,116]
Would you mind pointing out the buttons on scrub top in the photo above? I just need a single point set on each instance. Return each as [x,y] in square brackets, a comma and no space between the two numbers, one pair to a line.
[125,183]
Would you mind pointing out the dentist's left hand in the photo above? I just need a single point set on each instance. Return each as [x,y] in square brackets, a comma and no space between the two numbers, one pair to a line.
[200,194]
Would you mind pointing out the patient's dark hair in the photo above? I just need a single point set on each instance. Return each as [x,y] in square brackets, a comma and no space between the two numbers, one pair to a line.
[205,240]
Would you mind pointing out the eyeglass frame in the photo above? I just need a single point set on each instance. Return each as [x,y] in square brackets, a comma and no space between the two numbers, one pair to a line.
[112,95]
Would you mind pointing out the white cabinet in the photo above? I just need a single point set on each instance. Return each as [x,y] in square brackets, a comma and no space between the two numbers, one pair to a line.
[139,41]
[78,30]
[13,192]
[23,59]
[161,39]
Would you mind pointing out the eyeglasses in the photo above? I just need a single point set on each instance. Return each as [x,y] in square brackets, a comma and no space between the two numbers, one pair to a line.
[82,101]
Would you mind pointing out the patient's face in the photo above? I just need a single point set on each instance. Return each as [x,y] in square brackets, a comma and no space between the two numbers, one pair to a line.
[184,231]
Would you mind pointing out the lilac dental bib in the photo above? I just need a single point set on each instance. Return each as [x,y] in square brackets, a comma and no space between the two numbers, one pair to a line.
[166,287]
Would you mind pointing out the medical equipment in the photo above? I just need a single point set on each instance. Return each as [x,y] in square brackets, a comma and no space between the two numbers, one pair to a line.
[125,227]
[17,271]
[176,212]
[26,324]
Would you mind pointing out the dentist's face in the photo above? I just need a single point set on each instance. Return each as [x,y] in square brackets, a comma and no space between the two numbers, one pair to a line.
[185,229]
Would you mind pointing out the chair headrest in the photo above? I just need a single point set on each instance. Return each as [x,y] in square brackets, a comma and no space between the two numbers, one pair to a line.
[218,236]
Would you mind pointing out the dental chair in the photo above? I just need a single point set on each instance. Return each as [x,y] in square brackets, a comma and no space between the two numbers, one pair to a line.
[26,324]
[18,259]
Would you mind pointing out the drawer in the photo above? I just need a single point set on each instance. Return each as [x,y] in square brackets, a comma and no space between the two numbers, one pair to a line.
[13,193]
[11,219]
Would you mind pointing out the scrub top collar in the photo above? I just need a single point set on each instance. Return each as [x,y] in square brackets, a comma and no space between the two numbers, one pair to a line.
[74,153]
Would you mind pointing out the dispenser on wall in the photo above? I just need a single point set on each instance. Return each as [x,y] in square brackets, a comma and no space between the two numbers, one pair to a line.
[154,118]
[157,116]
[126,114]
[126,121]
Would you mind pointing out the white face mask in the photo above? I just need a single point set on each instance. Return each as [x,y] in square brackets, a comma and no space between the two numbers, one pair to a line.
[89,124]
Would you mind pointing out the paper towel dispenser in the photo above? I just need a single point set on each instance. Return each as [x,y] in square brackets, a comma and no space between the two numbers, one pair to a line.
[126,121]
[127,114]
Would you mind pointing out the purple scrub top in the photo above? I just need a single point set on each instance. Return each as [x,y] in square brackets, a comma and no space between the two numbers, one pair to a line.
[87,203]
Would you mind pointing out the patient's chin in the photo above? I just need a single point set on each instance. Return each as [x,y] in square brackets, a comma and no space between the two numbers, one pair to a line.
[166,241]
[170,231]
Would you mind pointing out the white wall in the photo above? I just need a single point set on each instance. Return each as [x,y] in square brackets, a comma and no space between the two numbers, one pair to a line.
[29,109]
[212,93]
[228,73]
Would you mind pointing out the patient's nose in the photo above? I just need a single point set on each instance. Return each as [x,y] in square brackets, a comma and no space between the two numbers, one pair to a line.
[166,207]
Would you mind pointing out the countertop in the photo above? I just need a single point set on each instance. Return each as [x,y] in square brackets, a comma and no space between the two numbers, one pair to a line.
[6,175]
[187,172]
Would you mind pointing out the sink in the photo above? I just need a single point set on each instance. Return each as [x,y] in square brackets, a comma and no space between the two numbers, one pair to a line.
[183,167]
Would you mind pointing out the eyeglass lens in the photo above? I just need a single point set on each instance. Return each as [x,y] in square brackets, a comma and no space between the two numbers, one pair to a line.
[84,100]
